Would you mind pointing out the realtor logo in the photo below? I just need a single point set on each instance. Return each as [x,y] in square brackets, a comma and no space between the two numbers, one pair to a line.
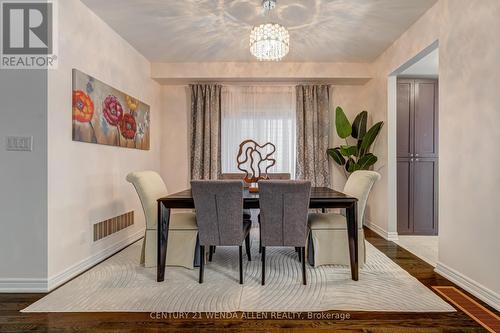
[27,34]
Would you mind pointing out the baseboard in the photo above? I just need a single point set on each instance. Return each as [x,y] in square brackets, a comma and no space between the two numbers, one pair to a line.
[31,285]
[23,285]
[72,271]
[484,294]
[390,236]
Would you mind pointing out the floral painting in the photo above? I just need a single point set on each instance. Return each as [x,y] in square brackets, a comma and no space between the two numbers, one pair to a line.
[107,116]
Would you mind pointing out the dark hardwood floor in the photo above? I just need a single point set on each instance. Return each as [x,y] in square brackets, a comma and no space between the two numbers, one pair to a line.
[11,320]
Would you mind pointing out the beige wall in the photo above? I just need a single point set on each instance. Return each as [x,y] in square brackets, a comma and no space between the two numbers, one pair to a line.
[175,141]
[86,182]
[375,98]
[469,177]
[469,50]
[338,73]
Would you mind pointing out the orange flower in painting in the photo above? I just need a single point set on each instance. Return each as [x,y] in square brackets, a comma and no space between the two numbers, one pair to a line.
[83,107]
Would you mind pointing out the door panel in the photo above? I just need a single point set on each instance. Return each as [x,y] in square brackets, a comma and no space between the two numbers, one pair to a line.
[425,197]
[425,127]
[404,115]
[404,196]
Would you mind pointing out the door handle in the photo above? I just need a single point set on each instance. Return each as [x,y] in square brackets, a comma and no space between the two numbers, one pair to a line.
[411,159]
[416,155]
[416,160]
[411,155]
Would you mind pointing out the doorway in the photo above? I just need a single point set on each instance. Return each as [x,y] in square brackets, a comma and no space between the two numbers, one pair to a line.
[415,88]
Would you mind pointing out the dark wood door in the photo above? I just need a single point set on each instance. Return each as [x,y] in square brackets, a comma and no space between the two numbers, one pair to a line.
[404,216]
[424,196]
[405,114]
[425,118]
[417,156]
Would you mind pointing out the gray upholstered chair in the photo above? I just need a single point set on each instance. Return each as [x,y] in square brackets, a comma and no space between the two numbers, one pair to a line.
[219,211]
[283,217]
[183,230]
[247,214]
[328,243]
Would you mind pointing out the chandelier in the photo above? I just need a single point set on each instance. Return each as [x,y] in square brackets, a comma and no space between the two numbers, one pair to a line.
[269,41]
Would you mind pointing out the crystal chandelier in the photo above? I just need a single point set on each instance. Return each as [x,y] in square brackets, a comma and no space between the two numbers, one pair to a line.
[269,41]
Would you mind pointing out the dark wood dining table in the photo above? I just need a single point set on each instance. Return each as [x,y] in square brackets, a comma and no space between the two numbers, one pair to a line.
[321,197]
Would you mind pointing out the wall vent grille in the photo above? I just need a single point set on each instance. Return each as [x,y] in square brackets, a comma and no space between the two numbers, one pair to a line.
[112,225]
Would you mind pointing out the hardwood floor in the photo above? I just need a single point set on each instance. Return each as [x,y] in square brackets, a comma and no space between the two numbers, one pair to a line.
[11,320]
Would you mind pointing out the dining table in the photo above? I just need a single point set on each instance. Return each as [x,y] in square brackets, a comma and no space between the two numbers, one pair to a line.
[321,198]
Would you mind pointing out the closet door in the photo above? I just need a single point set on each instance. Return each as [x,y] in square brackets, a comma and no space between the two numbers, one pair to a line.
[417,156]
[405,108]
[405,196]
[426,118]
[425,199]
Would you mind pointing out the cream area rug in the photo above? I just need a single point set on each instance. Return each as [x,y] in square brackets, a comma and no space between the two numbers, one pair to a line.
[120,284]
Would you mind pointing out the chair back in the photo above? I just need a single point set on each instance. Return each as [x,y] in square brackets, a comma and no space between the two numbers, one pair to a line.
[359,186]
[219,211]
[284,206]
[241,176]
[150,187]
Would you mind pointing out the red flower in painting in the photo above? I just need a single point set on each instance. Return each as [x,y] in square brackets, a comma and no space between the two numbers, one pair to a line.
[83,107]
[128,126]
[112,110]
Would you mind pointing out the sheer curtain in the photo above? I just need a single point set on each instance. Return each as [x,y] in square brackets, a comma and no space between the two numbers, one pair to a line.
[264,114]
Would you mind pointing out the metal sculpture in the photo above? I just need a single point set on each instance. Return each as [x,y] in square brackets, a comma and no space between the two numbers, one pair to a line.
[253,155]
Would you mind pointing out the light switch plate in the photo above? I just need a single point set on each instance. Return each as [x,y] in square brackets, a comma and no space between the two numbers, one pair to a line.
[20,143]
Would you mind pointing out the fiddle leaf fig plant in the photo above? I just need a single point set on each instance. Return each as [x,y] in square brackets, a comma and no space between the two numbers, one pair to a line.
[355,154]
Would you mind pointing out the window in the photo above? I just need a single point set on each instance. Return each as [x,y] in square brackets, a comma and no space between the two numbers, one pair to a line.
[261,113]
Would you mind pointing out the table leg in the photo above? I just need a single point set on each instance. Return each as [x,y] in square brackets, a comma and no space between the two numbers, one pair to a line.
[352,234]
[163,221]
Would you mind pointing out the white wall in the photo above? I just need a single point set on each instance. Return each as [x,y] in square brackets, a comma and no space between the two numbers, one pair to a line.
[23,193]
[86,182]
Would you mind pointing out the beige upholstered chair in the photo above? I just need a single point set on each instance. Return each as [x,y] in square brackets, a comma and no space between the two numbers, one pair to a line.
[328,240]
[182,231]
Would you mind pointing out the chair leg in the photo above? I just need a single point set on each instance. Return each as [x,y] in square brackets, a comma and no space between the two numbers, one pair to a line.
[303,255]
[202,263]
[299,253]
[260,236]
[247,247]
[263,265]
[211,251]
[241,263]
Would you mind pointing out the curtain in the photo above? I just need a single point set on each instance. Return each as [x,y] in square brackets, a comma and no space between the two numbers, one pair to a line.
[313,105]
[205,131]
[264,114]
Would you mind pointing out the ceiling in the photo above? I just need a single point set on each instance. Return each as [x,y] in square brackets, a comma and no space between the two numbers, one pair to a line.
[427,66]
[218,30]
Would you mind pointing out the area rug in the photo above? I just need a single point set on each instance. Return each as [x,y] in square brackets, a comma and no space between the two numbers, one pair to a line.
[120,284]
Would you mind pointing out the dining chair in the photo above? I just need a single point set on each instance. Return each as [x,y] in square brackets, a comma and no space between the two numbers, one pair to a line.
[283,217]
[247,214]
[219,211]
[328,244]
[182,229]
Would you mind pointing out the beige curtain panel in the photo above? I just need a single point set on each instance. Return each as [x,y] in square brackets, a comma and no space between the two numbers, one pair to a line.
[313,109]
[205,131]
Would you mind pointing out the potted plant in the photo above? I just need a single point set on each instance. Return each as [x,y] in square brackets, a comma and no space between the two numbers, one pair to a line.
[355,154]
